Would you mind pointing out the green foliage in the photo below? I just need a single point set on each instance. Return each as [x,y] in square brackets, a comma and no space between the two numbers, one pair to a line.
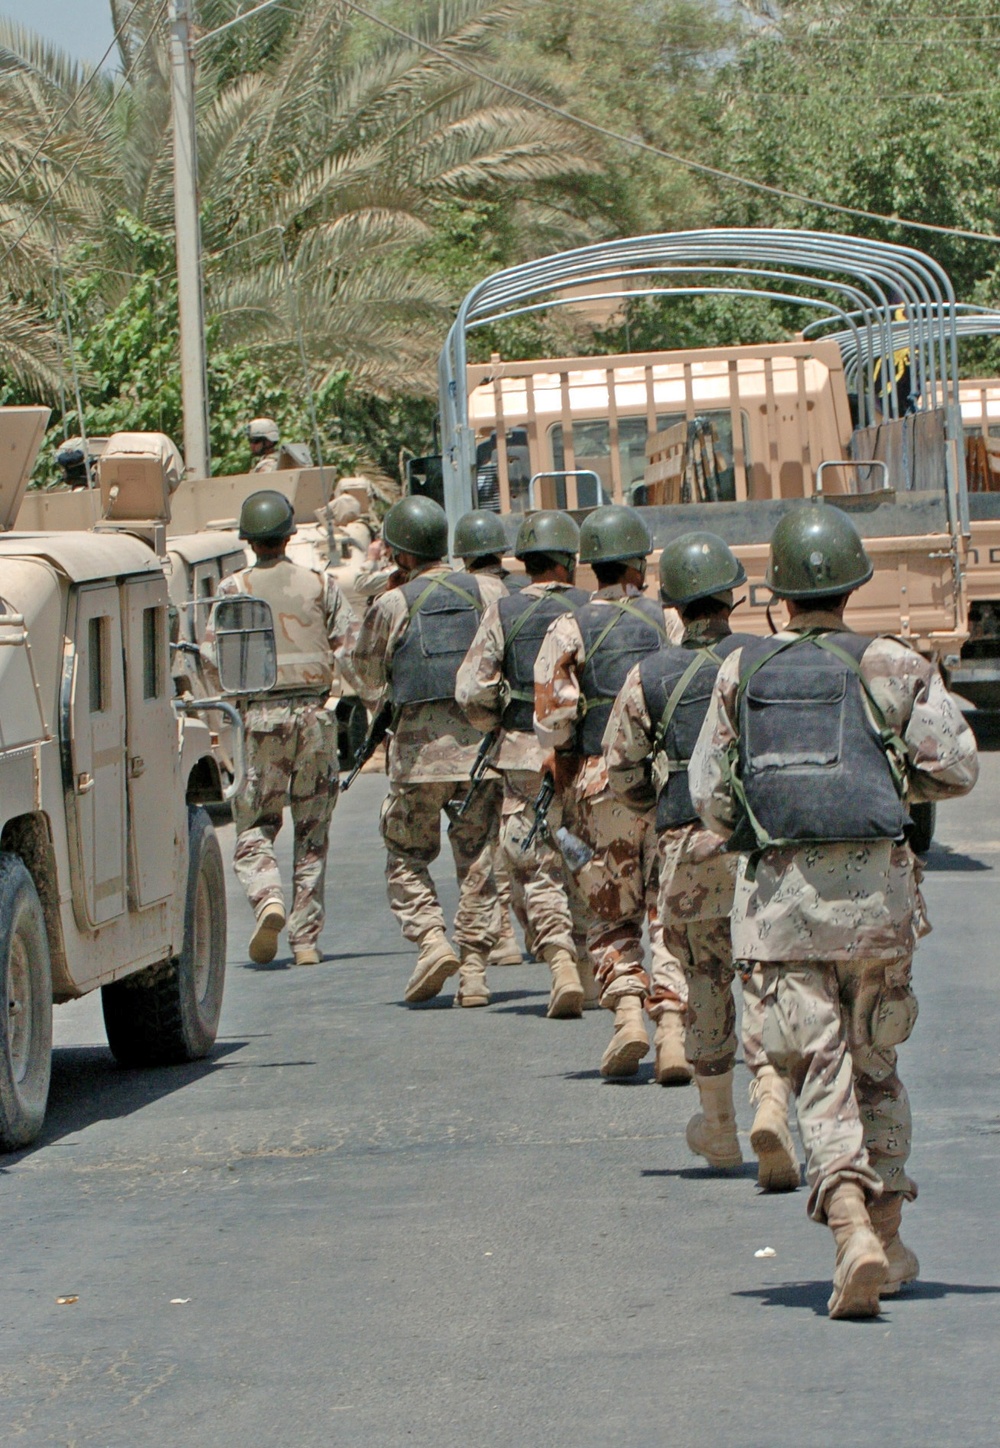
[396,181]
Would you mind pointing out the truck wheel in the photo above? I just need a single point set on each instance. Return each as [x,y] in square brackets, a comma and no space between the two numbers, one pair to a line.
[170,1012]
[352,730]
[26,982]
[924,817]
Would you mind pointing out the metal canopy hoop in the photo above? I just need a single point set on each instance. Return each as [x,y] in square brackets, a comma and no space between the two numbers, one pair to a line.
[883,295]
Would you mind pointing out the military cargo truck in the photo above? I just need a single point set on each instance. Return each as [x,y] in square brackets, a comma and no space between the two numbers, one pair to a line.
[729,438]
[110,873]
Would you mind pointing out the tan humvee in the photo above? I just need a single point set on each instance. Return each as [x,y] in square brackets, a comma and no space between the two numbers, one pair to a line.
[110,873]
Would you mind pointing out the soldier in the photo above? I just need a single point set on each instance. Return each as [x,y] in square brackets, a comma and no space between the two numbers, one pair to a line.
[264,437]
[72,460]
[647,745]
[291,738]
[412,640]
[580,668]
[495,687]
[814,742]
[481,542]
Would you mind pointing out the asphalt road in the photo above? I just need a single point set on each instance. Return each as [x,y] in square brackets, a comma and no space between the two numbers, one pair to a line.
[362,1224]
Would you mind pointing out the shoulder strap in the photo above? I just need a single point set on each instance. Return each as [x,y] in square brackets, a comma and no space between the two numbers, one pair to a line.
[418,603]
[623,605]
[522,695]
[893,746]
[702,657]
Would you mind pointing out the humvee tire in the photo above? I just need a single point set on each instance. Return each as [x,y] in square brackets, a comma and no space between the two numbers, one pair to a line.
[924,817]
[170,1012]
[26,1029]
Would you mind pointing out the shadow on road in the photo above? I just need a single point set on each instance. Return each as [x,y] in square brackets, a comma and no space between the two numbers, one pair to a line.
[89,1086]
[814,1295]
[703,1173]
[986,728]
[942,858]
[284,962]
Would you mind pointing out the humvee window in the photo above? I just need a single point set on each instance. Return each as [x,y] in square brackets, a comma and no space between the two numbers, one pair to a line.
[152,653]
[96,646]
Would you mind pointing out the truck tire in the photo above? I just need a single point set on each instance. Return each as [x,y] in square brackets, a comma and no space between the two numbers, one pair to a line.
[26,1031]
[170,1012]
[924,817]
[352,729]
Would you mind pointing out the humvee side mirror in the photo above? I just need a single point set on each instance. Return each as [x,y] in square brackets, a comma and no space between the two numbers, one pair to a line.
[245,651]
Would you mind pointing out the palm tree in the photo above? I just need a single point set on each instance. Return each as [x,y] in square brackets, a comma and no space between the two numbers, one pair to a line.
[329,152]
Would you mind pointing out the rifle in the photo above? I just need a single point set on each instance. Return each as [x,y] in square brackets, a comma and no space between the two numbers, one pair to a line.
[576,852]
[380,726]
[477,773]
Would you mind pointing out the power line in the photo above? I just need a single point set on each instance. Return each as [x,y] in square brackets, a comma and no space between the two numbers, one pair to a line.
[714,171]
[237,20]
[88,137]
[63,114]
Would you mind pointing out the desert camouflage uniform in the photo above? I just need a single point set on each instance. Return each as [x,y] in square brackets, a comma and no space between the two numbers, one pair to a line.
[510,894]
[267,464]
[556,911]
[832,928]
[619,885]
[696,883]
[291,756]
[430,755]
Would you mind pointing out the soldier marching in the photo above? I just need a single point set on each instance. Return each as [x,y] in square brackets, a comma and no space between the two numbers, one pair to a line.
[744,799]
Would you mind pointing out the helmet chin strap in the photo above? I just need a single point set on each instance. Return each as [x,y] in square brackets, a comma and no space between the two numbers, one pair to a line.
[770,621]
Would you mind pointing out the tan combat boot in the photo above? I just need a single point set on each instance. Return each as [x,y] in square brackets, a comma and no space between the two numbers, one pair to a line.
[886,1213]
[629,1043]
[270,924]
[566,996]
[472,988]
[306,955]
[506,951]
[862,1267]
[712,1132]
[591,991]
[672,1067]
[777,1162]
[436,961]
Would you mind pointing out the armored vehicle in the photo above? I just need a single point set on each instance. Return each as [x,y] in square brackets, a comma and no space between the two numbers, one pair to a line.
[111,877]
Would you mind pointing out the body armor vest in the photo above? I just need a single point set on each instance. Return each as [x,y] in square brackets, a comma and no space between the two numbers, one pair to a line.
[295,596]
[444,617]
[616,635]
[525,621]
[662,675]
[809,764]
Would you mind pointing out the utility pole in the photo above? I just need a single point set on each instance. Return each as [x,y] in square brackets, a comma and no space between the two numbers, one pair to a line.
[187,229]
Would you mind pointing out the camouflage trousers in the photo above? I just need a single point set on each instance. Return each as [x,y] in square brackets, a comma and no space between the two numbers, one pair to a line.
[619,889]
[704,949]
[411,828]
[291,753]
[832,1027]
[556,912]
[510,896]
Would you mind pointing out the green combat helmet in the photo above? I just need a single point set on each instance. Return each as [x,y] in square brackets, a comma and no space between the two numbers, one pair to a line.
[816,552]
[613,534]
[698,565]
[479,534]
[418,526]
[267,517]
[549,532]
